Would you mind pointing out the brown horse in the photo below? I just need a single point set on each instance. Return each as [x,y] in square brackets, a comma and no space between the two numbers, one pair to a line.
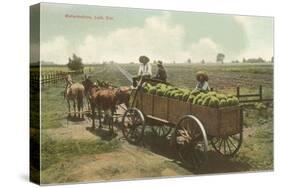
[74,92]
[106,99]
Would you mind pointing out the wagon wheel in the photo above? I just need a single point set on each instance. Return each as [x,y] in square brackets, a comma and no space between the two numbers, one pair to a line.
[227,145]
[161,130]
[133,125]
[191,141]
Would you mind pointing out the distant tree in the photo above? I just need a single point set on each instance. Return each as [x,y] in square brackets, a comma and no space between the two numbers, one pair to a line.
[189,61]
[220,58]
[272,59]
[75,63]
[203,61]
[244,60]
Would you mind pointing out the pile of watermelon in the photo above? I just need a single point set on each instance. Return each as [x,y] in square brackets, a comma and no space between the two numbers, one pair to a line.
[212,99]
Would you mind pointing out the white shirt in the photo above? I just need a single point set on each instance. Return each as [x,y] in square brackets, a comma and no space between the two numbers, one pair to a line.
[203,86]
[145,70]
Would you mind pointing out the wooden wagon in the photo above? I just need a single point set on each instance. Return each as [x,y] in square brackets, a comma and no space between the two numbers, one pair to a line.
[193,125]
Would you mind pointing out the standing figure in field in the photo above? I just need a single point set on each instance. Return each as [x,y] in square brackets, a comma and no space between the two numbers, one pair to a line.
[145,70]
[74,92]
[161,72]
[202,81]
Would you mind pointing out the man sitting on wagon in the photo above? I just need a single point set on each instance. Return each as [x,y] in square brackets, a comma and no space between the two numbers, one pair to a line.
[145,70]
[161,72]
[202,84]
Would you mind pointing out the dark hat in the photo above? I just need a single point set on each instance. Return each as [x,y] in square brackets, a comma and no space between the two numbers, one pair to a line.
[143,59]
[159,63]
[203,74]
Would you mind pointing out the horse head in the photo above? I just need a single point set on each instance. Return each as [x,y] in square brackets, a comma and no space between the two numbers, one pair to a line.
[88,85]
[123,95]
[104,84]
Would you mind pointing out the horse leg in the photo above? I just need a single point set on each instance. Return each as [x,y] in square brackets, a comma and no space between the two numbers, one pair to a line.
[80,104]
[93,115]
[79,108]
[68,103]
[88,101]
[82,107]
[106,118]
[99,115]
[74,107]
[111,120]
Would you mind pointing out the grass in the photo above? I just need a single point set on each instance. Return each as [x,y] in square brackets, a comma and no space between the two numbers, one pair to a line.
[255,116]
[257,151]
[54,151]
[53,106]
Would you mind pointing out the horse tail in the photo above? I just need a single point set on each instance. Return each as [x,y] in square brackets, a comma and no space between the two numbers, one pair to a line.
[80,95]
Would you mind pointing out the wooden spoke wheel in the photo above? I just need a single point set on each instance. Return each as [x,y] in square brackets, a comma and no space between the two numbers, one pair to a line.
[133,124]
[191,141]
[161,130]
[227,145]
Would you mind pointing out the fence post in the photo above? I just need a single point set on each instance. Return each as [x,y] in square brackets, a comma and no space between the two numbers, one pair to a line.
[260,92]
[238,92]
[49,78]
[42,79]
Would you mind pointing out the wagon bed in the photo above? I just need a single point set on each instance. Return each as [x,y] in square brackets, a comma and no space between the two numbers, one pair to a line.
[224,121]
[193,125]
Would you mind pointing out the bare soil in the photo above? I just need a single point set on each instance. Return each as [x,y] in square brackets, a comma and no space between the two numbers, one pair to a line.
[128,162]
[150,159]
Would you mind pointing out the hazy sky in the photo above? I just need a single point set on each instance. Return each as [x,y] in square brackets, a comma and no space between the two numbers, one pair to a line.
[166,35]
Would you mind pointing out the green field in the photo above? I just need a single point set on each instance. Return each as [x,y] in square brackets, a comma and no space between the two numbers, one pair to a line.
[61,156]
[222,77]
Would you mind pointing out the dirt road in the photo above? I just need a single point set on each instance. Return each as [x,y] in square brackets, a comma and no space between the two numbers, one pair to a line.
[127,162]
[152,158]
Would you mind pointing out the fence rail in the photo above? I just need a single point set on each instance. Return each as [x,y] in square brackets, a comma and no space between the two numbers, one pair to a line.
[52,77]
[257,97]
[46,78]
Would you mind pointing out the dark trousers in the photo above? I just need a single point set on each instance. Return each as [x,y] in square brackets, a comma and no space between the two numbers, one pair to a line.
[164,80]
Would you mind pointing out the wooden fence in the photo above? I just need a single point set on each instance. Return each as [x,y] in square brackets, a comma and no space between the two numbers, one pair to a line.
[256,97]
[46,78]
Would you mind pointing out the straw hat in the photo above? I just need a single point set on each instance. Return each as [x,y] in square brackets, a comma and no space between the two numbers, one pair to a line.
[203,74]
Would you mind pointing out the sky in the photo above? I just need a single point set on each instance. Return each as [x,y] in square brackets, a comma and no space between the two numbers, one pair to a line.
[98,34]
